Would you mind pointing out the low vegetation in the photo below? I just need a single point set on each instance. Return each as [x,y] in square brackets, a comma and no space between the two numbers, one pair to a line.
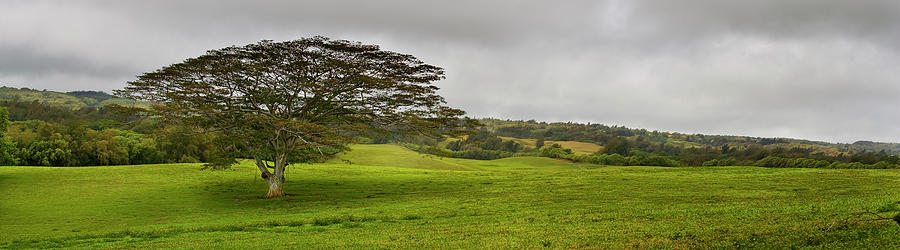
[389,197]
[575,146]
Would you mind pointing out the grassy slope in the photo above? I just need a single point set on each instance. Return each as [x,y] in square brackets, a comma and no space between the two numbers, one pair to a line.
[395,156]
[62,99]
[49,97]
[515,202]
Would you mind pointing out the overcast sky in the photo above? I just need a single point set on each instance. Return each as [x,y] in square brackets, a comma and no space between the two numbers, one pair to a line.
[815,69]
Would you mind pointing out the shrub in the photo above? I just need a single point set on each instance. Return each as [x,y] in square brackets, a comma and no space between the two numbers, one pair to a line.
[730,161]
[657,160]
[555,151]
[480,154]
[780,162]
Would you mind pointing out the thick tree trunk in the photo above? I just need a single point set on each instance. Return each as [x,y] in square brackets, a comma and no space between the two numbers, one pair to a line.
[275,184]
[276,179]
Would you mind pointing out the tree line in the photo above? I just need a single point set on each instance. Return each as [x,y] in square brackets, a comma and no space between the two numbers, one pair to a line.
[39,134]
[36,134]
[624,146]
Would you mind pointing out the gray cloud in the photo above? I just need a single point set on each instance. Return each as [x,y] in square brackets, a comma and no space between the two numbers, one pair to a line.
[810,69]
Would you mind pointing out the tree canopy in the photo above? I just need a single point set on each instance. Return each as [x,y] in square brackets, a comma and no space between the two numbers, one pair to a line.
[4,121]
[7,147]
[295,101]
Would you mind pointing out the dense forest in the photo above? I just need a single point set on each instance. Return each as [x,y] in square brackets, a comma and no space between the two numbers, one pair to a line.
[42,135]
[54,132]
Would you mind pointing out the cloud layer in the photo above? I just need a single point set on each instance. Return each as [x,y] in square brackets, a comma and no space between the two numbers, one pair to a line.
[805,69]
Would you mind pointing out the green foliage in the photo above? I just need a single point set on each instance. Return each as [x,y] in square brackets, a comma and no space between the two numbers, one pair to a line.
[694,149]
[40,143]
[44,135]
[780,162]
[699,150]
[482,145]
[8,151]
[728,161]
[182,144]
[616,145]
[95,97]
[555,151]
[604,159]
[295,101]
[656,160]
[4,121]
[481,154]
[858,165]
[53,152]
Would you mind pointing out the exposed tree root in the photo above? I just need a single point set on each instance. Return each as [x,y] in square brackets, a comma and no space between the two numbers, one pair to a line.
[275,193]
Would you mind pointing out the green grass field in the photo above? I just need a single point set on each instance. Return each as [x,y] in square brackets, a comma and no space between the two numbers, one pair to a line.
[385,196]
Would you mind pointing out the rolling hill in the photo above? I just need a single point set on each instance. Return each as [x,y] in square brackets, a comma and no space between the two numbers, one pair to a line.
[71,100]
[594,136]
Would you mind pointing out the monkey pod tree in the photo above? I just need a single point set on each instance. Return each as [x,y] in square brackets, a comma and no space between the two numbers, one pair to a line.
[296,101]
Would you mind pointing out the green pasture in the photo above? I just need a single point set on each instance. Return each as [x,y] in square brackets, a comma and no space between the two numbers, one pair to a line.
[385,196]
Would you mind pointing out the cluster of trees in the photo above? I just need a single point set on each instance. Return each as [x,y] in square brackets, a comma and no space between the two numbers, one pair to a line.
[34,133]
[781,162]
[669,149]
[7,147]
[613,159]
[482,139]
[478,145]
[97,96]
[482,145]
[602,134]
[797,157]
[640,150]
[42,135]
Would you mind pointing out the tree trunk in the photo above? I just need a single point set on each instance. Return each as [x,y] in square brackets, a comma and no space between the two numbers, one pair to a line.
[275,180]
[275,184]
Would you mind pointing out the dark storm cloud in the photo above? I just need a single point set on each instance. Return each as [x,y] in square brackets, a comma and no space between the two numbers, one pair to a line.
[809,68]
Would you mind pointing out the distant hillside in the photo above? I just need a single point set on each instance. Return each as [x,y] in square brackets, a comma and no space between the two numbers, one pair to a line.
[70,100]
[583,138]
[98,96]
[602,134]
[893,148]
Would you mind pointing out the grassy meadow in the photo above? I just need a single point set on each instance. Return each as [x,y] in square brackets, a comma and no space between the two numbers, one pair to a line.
[385,196]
